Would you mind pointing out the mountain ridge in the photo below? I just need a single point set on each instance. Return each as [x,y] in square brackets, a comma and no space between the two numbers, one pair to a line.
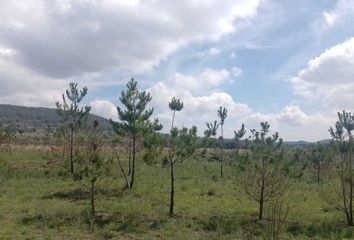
[29,119]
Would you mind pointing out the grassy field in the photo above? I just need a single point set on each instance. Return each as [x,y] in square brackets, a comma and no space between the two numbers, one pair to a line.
[39,204]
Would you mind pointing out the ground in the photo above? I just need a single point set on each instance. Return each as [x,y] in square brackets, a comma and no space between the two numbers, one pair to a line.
[37,202]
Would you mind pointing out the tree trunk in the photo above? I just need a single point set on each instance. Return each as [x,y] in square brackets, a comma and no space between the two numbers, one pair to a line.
[133,163]
[71,151]
[261,201]
[93,212]
[222,153]
[260,215]
[318,174]
[172,192]
[173,119]
[351,187]
[130,157]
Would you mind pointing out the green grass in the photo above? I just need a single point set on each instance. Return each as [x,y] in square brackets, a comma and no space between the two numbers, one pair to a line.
[37,203]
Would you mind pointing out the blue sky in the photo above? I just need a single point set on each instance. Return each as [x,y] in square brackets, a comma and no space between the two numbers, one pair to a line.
[287,62]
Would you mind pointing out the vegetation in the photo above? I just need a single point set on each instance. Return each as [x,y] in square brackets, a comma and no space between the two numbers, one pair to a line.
[263,178]
[211,132]
[73,116]
[134,120]
[93,167]
[268,190]
[32,121]
[343,183]
[183,144]
[222,114]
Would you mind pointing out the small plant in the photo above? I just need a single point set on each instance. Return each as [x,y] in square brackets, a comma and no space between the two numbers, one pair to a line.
[93,167]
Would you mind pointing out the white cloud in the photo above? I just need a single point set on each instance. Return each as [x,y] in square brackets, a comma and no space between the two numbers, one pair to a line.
[104,108]
[207,80]
[201,107]
[66,38]
[329,78]
[46,44]
[342,9]
[20,85]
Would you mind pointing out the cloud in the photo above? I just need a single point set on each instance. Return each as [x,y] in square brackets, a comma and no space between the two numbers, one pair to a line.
[201,107]
[236,71]
[329,78]
[104,108]
[342,9]
[207,80]
[22,86]
[46,44]
[67,38]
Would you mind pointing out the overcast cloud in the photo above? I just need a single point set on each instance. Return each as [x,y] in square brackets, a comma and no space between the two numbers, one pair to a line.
[208,53]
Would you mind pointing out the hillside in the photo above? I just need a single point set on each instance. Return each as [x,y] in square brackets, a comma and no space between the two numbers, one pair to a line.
[31,119]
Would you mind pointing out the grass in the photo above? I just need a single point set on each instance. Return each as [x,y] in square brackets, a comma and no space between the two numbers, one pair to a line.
[37,203]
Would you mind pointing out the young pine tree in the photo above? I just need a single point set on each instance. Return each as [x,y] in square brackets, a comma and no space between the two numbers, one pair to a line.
[74,117]
[317,155]
[175,105]
[238,136]
[212,130]
[263,177]
[94,167]
[133,119]
[183,144]
[342,194]
[222,114]
[153,143]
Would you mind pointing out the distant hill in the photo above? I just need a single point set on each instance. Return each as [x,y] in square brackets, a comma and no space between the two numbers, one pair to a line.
[32,119]
[36,119]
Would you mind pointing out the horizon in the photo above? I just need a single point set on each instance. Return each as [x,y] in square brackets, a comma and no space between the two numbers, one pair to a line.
[199,132]
[264,60]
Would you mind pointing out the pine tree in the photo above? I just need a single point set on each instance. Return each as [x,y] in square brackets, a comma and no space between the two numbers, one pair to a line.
[317,154]
[212,131]
[343,184]
[263,177]
[74,116]
[175,105]
[238,136]
[94,167]
[222,114]
[134,119]
[183,144]
[153,143]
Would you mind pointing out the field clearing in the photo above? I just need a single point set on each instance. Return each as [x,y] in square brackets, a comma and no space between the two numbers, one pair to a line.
[39,204]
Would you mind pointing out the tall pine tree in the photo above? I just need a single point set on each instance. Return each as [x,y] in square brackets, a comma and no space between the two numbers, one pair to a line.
[133,119]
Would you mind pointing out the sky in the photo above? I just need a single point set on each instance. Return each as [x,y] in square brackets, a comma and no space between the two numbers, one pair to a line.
[288,62]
